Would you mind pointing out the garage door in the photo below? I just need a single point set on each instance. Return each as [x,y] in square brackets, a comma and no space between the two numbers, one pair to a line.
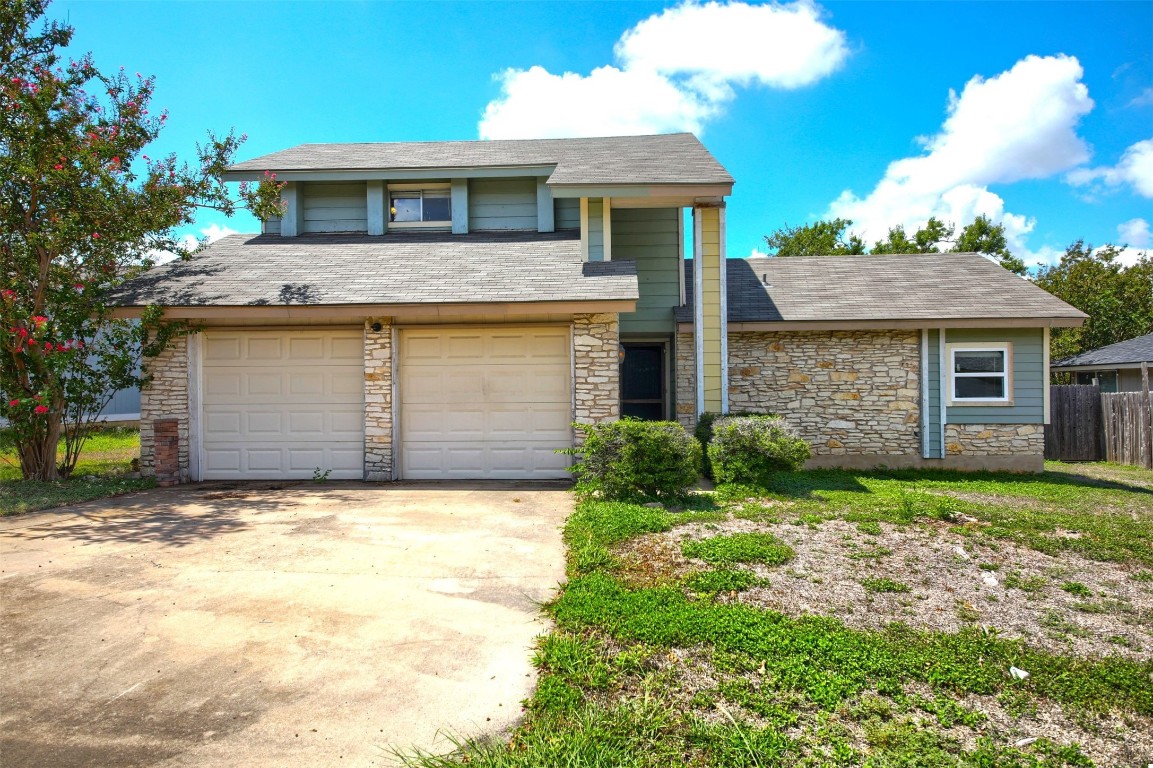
[484,403]
[282,405]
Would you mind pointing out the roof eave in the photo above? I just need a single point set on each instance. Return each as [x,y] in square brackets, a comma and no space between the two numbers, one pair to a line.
[387,174]
[899,323]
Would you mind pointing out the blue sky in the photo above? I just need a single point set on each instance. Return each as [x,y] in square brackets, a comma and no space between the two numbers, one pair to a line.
[1037,114]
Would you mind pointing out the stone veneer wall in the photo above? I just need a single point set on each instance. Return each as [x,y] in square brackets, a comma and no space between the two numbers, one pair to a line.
[596,364]
[994,439]
[848,393]
[378,454]
[165,396]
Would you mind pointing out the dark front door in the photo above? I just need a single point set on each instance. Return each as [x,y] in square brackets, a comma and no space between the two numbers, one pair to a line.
[643,381]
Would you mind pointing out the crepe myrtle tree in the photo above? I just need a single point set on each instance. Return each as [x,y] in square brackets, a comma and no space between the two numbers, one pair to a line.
[82,209]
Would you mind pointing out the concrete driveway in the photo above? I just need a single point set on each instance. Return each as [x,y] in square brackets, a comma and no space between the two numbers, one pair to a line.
[269,625]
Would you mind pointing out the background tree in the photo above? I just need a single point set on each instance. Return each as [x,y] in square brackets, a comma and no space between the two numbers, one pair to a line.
[827,238]
[822,238]
[81,210]
[1118,299]
[924,240]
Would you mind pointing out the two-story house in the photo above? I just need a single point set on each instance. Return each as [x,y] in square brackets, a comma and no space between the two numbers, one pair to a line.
[448,309]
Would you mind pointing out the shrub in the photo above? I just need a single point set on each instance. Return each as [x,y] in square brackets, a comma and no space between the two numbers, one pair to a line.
[749,449]
[633,460]
[704,434]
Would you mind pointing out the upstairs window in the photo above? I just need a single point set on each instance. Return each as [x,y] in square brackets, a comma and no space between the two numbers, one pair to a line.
[980,374]
[419,205]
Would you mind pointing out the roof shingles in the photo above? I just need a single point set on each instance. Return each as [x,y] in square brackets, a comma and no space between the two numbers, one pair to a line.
[938,286]
[1138,350]
[398,268]
[674,158]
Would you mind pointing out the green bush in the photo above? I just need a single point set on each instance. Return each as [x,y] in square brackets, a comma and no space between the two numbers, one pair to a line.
[704,434]
[749,449]
[634,460]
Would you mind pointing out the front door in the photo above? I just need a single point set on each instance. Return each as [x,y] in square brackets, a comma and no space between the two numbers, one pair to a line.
[643,380]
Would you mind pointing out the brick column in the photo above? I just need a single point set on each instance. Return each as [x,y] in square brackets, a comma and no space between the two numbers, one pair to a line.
[166,451]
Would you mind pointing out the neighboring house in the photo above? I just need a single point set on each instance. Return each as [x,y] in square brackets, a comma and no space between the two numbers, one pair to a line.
[448,309]
[1115,368]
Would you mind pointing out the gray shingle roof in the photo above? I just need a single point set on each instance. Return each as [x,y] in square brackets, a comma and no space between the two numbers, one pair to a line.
[674,158]
[939,286]
[397,268]
[1138,350]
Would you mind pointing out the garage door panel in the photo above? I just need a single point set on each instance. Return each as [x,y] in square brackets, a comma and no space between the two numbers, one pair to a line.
[484,403]
[464,346]
[264,384]
[222,348]
[224,384]
[493,461]
[263,348]
[283,404]
[261,425]
[308,348]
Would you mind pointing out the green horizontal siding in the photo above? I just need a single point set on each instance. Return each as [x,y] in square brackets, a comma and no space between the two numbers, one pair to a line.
[567,211]
[334,207]
[596,233]
[1029,378]
[501,204]
[933,410]
[649,237]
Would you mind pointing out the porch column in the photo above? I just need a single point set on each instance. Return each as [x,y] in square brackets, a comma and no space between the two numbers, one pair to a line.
[710,321]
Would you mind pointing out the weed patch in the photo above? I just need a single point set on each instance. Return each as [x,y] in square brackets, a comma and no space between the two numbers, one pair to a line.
[763,548]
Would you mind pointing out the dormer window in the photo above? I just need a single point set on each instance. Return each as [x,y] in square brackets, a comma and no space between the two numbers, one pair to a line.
[419,205]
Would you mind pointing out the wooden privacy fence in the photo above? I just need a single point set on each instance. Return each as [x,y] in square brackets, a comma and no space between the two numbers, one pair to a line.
[1088,425]
[1074,430]
[1128,435]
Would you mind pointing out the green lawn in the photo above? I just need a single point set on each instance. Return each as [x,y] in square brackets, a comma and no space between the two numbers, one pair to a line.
[659,665]
[107,457]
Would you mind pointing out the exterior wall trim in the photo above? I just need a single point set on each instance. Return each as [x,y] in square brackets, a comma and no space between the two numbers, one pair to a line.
[925,442]
[698,310]
[724,312]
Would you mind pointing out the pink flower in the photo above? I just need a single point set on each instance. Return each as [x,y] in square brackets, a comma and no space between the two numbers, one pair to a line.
[39,319]
[41,409]
[59,167]
[13,403]
[95,235]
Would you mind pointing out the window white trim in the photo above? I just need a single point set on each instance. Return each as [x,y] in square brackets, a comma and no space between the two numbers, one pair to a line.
[1005,348]
[434,186]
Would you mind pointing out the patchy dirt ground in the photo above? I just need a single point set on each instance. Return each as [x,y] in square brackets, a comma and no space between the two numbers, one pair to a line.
[1065,605]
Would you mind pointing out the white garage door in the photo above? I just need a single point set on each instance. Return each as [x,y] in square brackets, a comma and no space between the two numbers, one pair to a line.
[484,403]
[283,404]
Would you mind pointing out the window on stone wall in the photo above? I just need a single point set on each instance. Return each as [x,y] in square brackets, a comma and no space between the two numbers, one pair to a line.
[980,374]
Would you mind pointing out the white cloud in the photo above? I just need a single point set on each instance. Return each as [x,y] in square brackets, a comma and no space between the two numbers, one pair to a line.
[757,253]
[1143,99]
[1134,169]
[674,71]
[782,46]
[1020,124]
[537,104]
[1135,232]
[212,233]
[1129,256]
